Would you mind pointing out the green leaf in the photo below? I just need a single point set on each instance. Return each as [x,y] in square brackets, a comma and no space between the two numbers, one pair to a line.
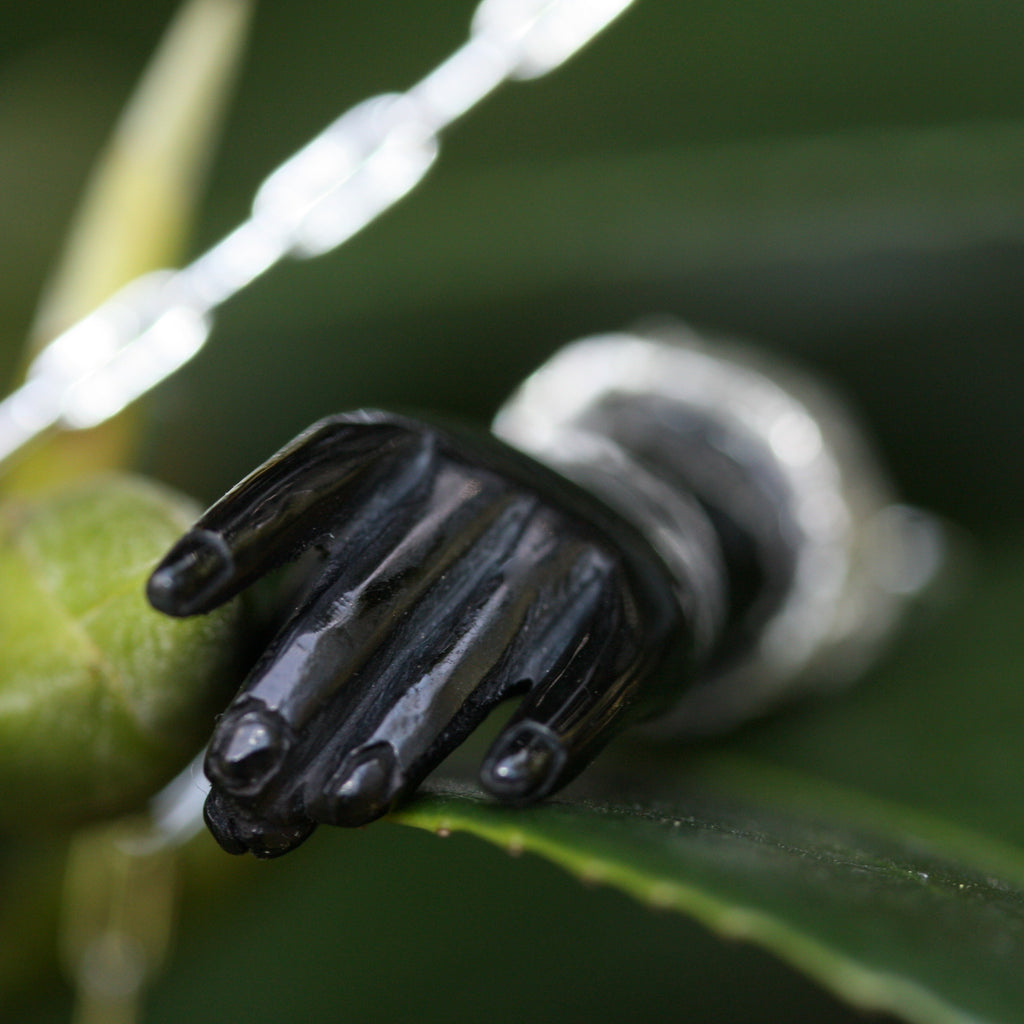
[101,698]
[847,838]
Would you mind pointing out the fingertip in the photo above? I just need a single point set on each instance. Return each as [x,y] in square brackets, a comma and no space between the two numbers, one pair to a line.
[238,832]
[247,750]
[221,826]
[525,764]
[361,790]
[191,577]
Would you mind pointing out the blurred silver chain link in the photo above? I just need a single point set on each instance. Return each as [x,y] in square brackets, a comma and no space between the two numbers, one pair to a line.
[338,183]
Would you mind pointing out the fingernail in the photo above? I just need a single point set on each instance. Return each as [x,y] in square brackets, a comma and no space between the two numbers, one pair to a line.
[363,787]
[190,573]
[524,764]
[246,751]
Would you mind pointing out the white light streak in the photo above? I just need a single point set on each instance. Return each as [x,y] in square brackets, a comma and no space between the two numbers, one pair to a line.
[342,180]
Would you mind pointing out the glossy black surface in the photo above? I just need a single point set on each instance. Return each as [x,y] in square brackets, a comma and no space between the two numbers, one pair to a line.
[452,573]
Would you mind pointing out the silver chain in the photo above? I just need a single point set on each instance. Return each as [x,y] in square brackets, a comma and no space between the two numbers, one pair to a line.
[321,196]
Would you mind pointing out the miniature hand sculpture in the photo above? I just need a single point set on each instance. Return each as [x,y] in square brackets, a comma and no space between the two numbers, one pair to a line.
[678,528]
[452,575]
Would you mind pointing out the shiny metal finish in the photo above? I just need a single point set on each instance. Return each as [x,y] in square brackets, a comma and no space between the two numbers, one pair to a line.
[831,556]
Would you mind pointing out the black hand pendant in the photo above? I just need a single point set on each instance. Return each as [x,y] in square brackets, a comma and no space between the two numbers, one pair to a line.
[686,538]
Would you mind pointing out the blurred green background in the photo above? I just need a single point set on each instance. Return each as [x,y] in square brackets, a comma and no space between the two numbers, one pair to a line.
[843,181]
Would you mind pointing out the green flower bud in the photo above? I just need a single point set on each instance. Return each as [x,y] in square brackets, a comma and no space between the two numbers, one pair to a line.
[102,699]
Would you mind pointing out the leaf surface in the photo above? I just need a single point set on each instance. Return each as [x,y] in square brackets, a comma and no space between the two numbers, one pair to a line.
[869,840]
